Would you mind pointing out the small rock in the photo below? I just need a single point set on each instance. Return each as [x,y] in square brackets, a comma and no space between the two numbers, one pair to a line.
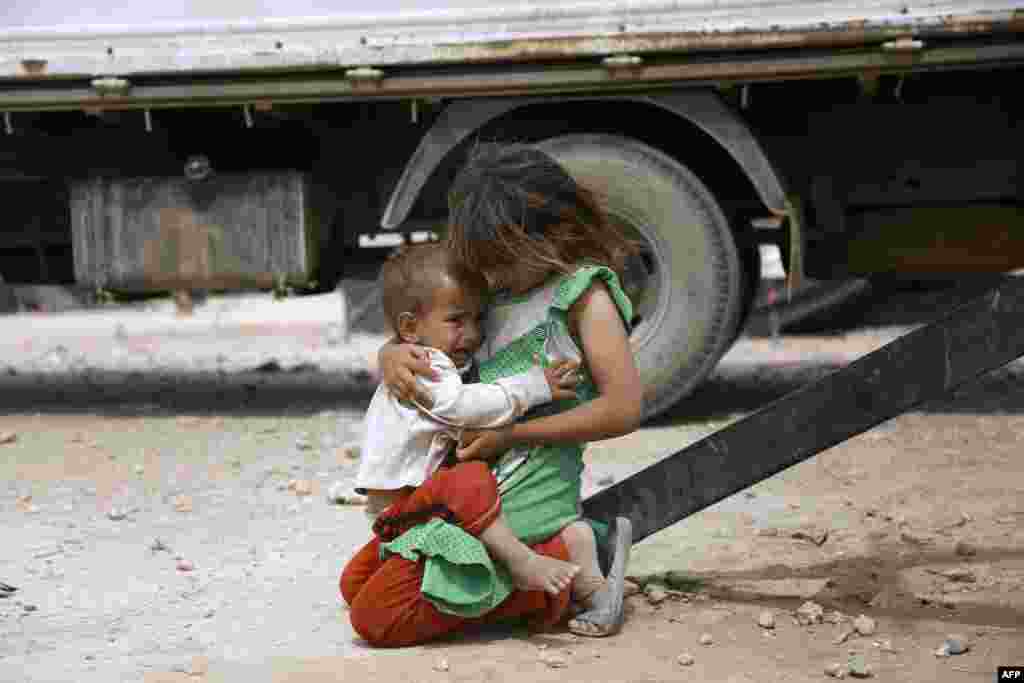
[815,535]
[912,538]
[960,575]
[208,614]
[886,646]
[340,494]
[956,644]
[29,608]
[864,625]
[964,520]
[303,487]
[441,665]
[48,550]
[685,659]
[185,566]
[303,444]
[139,469]
[606,480]
[8,437]
[199,665]
[188,421]
[630,588]
[705,639]
[349,452]
[766,619]
[769,531]
[834,617]
[183,503]
[859,667]
[157,545]
[835,670]
[117,514]
[843,637]
[553,660]
[749,494]
[966,549]
[809,613]
[655,594]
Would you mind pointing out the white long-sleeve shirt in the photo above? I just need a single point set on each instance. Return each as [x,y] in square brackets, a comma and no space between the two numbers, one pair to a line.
[403,445]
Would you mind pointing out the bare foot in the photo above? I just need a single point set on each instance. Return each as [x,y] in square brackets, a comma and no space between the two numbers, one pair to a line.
[539,573]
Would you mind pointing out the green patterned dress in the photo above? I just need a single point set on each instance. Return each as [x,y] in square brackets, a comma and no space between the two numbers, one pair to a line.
[539,486]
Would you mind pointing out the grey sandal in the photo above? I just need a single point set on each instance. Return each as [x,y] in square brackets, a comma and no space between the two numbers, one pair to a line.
[609,614]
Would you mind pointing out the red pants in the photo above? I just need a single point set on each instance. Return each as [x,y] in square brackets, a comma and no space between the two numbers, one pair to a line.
[387,608]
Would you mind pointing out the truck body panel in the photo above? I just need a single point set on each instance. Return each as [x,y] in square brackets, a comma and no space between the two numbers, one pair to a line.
[64,39]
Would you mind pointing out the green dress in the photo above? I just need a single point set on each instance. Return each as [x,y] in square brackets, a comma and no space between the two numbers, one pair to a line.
[539,486]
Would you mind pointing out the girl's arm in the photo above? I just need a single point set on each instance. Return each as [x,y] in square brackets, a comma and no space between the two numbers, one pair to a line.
[616,411]
[399,364]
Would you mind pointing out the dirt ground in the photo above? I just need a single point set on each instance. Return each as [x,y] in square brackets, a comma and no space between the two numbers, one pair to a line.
[916,524]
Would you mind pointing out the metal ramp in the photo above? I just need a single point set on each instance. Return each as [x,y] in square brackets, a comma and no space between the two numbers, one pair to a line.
[923,365]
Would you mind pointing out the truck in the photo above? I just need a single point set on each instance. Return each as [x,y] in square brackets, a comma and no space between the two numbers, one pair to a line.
[242,144]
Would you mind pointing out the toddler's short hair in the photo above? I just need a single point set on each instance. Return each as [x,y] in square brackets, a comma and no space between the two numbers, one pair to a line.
[413,274]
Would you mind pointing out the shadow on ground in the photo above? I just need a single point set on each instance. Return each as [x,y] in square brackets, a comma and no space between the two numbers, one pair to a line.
[729,392]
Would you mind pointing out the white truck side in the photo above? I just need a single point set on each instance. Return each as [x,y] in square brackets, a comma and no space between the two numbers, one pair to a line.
[244,143]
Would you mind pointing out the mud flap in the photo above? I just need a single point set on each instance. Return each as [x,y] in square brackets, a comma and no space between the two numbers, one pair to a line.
[922,365]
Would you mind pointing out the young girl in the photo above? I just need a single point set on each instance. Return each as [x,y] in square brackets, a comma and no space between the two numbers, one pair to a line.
[542,243]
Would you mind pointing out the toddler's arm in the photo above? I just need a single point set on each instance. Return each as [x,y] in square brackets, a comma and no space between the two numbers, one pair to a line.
[484,406]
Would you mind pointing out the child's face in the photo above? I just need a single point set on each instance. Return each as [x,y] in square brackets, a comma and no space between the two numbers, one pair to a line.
[452,323]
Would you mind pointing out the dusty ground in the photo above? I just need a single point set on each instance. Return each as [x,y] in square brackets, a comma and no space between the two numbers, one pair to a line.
[923,519]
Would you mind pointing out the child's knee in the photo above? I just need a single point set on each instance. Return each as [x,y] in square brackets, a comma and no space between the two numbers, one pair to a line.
[348,587]
[366,622]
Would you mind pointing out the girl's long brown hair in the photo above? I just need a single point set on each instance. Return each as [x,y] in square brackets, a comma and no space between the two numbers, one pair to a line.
[513,204]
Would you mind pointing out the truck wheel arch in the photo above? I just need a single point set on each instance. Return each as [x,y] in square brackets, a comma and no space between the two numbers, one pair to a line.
[702,108]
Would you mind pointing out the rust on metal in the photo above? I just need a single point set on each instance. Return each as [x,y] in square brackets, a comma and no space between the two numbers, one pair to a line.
[544,79]
[33,68]
[938,240]
[181,248]
[168,233]
[845,34]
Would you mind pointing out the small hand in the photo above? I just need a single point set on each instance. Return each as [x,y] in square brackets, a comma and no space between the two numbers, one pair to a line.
[563,377]
[399,365]
[486,444]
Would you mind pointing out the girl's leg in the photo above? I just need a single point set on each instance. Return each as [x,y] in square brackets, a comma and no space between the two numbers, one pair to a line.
[390,610]
[582,546]
[601,597]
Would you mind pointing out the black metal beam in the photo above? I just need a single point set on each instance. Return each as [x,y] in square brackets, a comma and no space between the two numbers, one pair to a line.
[922,365]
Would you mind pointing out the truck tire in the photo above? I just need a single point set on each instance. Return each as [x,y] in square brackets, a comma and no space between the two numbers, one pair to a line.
[687,285]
